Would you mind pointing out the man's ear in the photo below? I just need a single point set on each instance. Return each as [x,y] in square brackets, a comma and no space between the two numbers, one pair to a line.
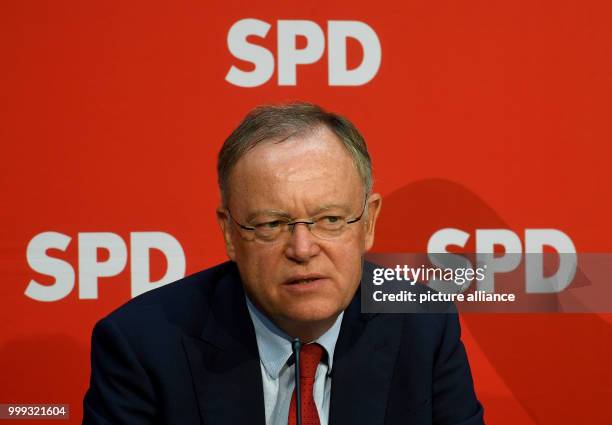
[374,205]
[223,219]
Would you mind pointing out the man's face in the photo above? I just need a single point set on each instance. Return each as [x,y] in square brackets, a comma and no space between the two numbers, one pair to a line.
[303,177]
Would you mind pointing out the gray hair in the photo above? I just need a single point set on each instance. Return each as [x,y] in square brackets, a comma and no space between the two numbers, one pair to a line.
[281,122]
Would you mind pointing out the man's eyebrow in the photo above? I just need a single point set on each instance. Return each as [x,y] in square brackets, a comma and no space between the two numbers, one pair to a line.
[332,207]
[327,207]
[278,213]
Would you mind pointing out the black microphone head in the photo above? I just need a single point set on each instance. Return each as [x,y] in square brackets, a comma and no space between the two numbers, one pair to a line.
[296,345]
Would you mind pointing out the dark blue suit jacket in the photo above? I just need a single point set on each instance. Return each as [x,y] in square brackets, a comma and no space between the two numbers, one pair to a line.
[186,354]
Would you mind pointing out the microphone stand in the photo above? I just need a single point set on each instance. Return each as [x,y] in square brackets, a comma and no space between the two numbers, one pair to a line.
[296,345]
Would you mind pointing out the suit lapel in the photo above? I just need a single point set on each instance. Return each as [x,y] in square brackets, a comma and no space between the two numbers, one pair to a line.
[224,361]
[363,367]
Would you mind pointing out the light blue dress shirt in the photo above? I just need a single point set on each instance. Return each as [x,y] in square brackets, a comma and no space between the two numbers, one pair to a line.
[278,377]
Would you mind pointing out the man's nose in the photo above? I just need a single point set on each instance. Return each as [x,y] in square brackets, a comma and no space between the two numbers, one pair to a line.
[302,244]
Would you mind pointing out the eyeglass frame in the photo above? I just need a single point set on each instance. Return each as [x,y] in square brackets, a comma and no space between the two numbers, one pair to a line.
[294,223]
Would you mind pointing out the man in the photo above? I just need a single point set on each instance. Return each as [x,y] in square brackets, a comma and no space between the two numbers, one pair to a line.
[297,214]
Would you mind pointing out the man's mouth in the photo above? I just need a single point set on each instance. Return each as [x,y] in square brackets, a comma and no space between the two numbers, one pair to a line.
[303,280]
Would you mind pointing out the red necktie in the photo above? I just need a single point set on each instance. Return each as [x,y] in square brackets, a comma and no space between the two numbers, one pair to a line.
[310,356]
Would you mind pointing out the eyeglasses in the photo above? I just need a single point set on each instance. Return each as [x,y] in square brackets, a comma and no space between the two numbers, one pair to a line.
[324,227]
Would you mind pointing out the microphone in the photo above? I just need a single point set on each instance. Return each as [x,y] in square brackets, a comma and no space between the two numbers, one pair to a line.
[296,345]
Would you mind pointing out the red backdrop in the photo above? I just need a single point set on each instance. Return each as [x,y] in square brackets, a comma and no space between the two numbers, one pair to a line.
[483,114]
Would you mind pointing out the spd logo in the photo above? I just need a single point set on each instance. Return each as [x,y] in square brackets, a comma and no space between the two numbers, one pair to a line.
[288,56]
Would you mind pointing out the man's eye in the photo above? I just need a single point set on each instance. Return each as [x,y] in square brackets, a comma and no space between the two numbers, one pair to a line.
[269,225]
[331,219]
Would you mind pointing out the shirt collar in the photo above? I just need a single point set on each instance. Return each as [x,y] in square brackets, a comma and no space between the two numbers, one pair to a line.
[274,345]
